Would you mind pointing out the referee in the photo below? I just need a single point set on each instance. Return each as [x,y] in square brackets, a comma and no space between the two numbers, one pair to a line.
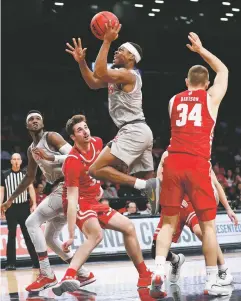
[18,212]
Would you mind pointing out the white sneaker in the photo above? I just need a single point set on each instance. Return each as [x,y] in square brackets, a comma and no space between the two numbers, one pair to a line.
[158,288]
[215,289]
[224,277]
[174,273]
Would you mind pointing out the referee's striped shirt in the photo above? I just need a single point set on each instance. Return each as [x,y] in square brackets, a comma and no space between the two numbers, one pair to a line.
[11,180]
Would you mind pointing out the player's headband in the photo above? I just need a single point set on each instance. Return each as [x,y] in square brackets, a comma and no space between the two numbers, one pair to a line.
[33,114]
[132,50]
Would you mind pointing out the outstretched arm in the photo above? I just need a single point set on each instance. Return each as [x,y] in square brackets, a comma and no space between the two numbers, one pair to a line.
[219,88]
[118,76]
[79,55]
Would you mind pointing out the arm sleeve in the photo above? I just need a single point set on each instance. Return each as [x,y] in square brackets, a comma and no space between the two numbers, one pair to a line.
[72,172]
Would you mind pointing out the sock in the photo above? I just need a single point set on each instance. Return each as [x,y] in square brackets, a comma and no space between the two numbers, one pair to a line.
[160,264]
[169,256]
[142,269]
[212,272]
[175,258]
[140,184]
[70,273]
[82,272]
[45,267]
[222,267]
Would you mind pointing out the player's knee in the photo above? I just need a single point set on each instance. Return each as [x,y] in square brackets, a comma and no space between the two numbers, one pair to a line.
[97,237]
[29,223]
[129,229]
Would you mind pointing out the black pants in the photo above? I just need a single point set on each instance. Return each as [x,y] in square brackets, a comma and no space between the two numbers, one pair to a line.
[17,214]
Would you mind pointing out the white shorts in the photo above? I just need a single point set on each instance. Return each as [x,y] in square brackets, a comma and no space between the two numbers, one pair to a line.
[133,145]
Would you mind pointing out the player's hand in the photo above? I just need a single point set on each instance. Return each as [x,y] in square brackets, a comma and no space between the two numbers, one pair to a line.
[112,31]
[39,152]
[5,207]
[33,207]
[232,216]
[66,245]
[196,42]
[77,51]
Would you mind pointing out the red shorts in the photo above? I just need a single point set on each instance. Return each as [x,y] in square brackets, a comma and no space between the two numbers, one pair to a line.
[191,175]
[187,216]
[89,210]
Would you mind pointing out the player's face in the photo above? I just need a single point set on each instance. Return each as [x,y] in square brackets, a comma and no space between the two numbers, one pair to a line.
[16,161]
[81,133]
[121,56]
[35,124]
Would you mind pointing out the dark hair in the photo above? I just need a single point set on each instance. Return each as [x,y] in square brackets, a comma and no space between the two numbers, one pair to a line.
[73,121]
[138,48]
[198,75]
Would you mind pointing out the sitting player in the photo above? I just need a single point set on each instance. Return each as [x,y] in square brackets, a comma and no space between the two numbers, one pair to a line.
[80,200]
[188,217]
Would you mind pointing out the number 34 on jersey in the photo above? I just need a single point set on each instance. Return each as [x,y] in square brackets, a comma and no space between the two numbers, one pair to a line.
[194,115]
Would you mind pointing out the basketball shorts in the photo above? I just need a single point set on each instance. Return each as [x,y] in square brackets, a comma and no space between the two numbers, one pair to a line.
[191,175]
[133,145]
[89,210]
[187,216]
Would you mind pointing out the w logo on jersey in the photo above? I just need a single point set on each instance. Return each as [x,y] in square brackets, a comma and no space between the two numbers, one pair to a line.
[111,89]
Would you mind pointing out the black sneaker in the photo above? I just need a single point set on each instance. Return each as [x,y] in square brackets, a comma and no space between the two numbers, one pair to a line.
[152,191]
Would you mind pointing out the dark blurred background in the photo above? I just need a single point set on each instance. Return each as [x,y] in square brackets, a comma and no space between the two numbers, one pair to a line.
[38,74]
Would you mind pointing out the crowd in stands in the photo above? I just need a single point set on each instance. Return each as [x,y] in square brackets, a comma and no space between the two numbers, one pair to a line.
[226,161]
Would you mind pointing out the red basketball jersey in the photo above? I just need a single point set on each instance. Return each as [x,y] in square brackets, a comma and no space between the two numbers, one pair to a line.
[192,125]
[75,169]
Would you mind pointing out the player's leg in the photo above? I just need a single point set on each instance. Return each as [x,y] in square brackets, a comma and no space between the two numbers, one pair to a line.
[49,208]
[11,217]
[124,225]
[24,212]
[225,277]
[52,232]
[201,194]
[128,147]
[171,197]
[93,233]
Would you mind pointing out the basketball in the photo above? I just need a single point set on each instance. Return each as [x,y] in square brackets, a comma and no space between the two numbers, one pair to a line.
[98,22]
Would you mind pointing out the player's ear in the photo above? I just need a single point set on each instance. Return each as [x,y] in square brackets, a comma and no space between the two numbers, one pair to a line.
[187,82]
[207,85]
[72,137]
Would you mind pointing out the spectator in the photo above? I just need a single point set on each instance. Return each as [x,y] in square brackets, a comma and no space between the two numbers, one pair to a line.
[147,211]
[18,212]
[131,209]
[237,158]
[40,193]
[230,178]
[110,191]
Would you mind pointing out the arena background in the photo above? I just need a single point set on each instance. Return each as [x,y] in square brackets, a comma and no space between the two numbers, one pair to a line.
[38,74]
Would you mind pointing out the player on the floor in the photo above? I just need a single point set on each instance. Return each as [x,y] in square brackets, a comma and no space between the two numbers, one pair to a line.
[80,200]
[187,168]
[48,151]
[187,216]
[132,146]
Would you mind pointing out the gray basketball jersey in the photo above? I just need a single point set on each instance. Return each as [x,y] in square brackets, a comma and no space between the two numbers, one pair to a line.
[125,107]
[51,170]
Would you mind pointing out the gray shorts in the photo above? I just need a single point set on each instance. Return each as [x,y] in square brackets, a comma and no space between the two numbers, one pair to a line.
[133,145]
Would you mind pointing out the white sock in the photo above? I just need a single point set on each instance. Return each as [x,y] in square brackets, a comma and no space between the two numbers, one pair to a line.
[160,264]
[222,267]
[82,272]
[175,258]
[212,272]
[140,184]
[45,267]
